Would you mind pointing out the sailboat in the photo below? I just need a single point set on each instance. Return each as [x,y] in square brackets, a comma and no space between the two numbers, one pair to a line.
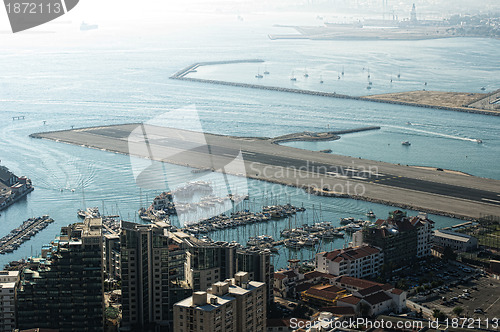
[258,74]
[369,73]
[266,72]
[293,78]
[342,70]
[305,73]
[321,79]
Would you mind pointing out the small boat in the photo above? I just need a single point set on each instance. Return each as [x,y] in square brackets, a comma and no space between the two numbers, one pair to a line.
[479,140]
[406,143]
[370,83]
[408,123]
[369,87]
[266,72]
[483,88]
[345,221]
[85,27]
[370,214]
[82,214]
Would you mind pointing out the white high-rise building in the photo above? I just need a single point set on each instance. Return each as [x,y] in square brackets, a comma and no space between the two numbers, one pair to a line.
[8,284]
[234,305]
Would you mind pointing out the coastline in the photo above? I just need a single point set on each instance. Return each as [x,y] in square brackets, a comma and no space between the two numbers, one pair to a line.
[181,75]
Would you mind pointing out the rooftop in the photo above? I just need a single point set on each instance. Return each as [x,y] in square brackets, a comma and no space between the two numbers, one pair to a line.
[377,298]
[351,253]
[452,235]
[221,300]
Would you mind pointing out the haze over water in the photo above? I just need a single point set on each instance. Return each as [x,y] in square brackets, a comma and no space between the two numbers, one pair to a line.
[119,74]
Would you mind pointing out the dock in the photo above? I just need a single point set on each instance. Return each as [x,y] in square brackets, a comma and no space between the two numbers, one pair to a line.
[404,98]
[18,236]
[427,190]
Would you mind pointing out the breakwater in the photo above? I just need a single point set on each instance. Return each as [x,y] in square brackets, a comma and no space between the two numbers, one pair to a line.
[322,136]
[182,75]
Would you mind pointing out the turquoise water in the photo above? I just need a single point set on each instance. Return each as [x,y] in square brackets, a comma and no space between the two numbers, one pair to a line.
[110,77]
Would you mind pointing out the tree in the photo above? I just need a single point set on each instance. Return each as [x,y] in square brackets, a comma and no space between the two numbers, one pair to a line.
[402,284]
[301,311]
[364,309]
[438,314]
[458,311]
[449,254]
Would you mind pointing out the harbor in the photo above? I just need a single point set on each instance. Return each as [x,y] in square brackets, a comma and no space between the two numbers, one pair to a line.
[282,224]
[444,101]
[454,195]
[23,233]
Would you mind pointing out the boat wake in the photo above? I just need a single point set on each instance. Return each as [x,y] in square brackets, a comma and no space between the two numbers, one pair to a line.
[434,133]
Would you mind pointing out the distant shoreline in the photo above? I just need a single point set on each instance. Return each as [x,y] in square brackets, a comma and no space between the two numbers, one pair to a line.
[410,98]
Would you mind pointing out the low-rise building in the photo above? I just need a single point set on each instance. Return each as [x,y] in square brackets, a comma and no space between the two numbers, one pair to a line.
[454,240]
[8,284]
[360,262]
[323,295]
[370,298]
[285,281]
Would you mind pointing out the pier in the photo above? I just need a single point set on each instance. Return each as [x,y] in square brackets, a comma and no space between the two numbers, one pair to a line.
[388,99]
[18,236]
[427,190]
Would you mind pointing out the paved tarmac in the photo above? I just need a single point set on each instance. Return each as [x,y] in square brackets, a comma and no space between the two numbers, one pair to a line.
[428,190]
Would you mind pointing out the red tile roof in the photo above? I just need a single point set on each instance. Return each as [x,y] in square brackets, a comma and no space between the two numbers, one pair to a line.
[339,311]
[387,287]
[313,274]
[351,299]
[356,282]
[397,291]
[279,276]
[302,287]
[377,298]
[290,274]
[350,253]
[370,290]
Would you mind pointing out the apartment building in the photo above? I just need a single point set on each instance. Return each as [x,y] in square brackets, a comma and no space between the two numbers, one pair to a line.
[234,305]
[8,283]
[360,262]
[63,289]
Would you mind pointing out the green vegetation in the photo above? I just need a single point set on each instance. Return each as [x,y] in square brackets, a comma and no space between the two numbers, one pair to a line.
[458,311]
[438,314]
[112,313]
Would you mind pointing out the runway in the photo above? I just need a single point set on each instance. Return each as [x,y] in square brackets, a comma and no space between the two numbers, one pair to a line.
[434,191]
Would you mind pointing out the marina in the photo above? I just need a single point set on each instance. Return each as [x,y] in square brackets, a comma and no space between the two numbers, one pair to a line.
[23,233]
